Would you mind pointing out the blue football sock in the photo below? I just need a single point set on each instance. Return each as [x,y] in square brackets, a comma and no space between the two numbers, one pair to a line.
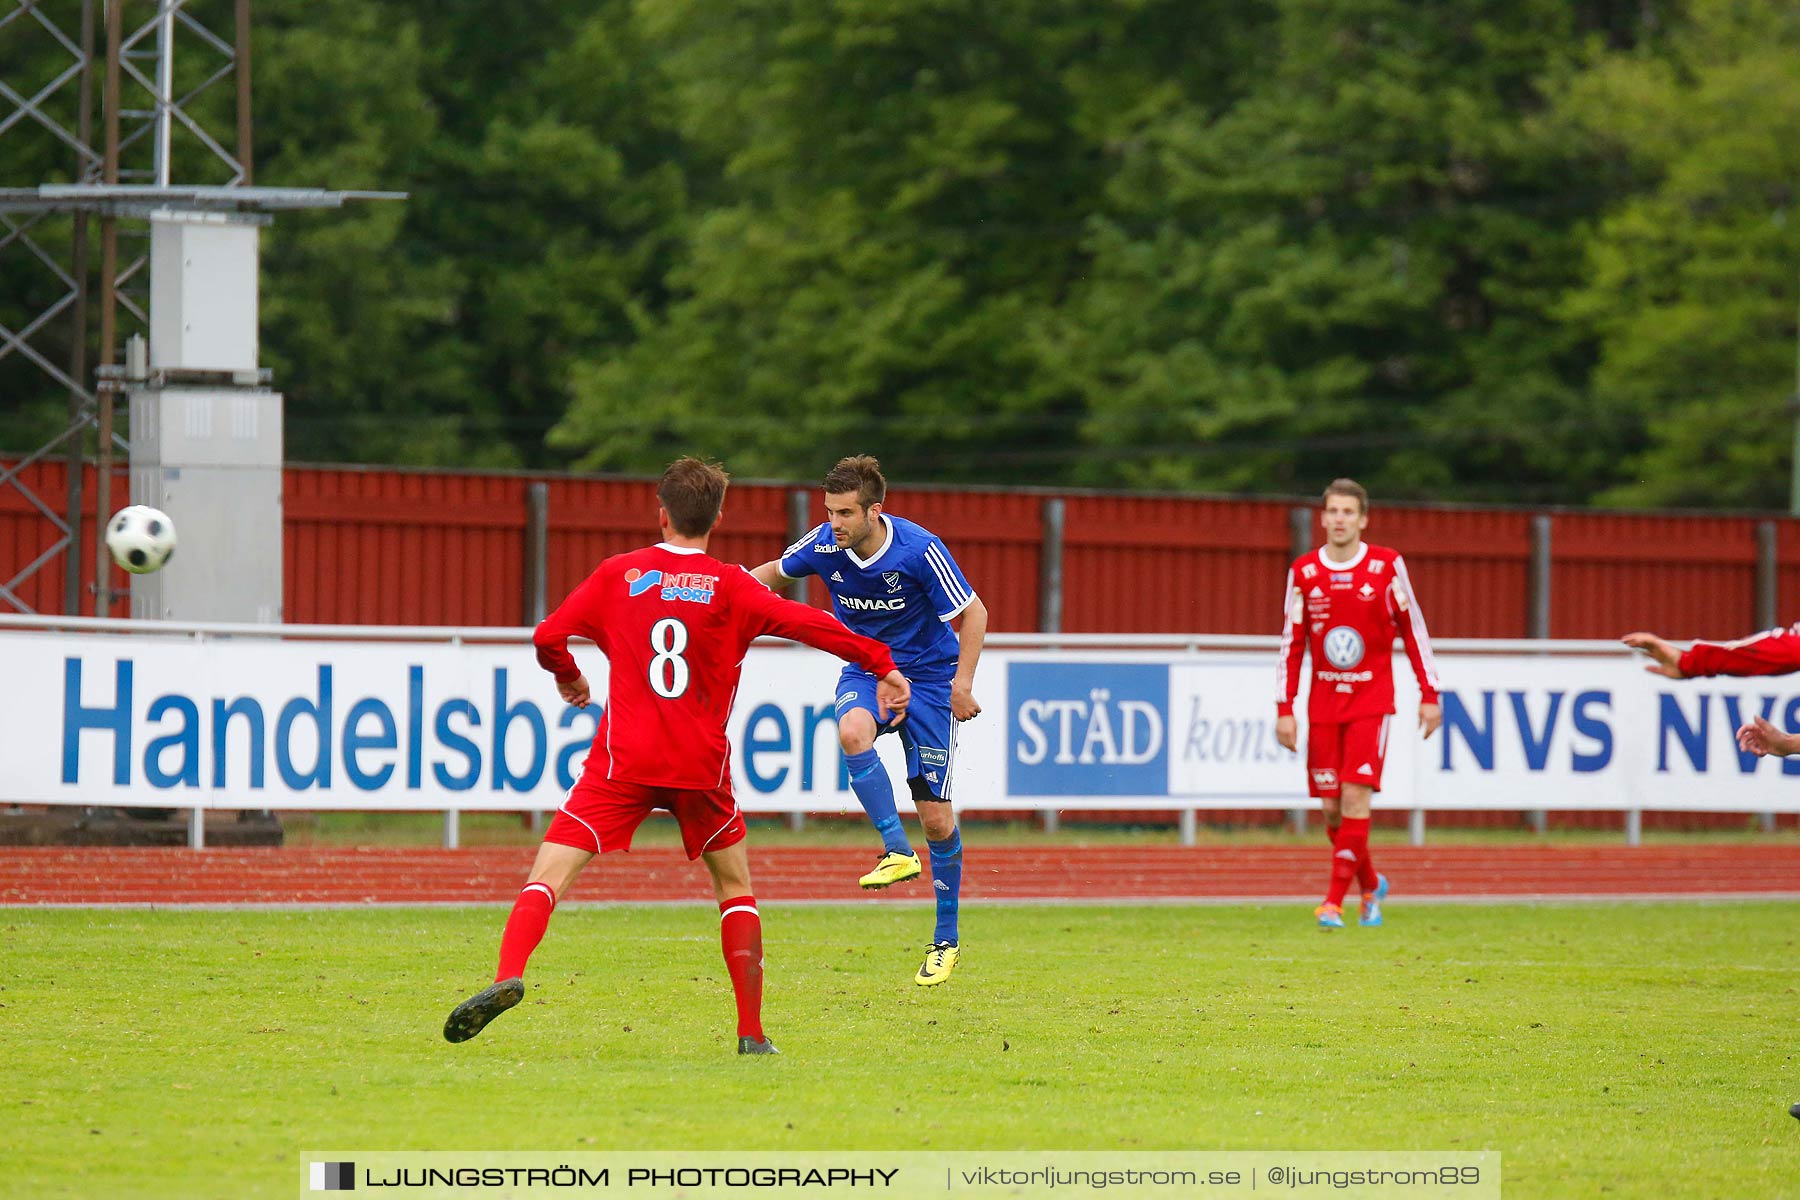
[875,792]
[946,881]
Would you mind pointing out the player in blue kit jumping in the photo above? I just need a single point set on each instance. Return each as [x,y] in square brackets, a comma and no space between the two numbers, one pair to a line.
[894,581]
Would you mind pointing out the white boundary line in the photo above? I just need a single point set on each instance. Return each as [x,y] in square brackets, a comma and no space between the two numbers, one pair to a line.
[1535,899]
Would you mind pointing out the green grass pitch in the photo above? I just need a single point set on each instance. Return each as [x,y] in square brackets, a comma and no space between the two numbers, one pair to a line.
[1616,1050]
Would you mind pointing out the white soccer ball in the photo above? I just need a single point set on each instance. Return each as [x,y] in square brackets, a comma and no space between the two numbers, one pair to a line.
[140,538]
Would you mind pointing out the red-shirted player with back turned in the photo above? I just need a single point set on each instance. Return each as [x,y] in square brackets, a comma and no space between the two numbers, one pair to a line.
[674,624]
[1344,602]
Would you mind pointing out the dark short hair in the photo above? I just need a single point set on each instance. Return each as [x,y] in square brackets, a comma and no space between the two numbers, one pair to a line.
[693,491]
[1350,488]
[860,473]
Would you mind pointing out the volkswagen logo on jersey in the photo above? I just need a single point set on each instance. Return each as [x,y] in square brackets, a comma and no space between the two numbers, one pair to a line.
[1344,647]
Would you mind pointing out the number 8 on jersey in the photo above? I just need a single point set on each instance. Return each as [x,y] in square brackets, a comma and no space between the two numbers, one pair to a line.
[668,670]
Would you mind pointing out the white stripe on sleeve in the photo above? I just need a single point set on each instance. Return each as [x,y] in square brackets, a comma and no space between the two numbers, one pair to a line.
[940,564]
[1289,616]
[1417,618]
[804,542]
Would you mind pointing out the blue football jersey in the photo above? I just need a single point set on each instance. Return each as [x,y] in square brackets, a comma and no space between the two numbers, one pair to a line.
[905,594]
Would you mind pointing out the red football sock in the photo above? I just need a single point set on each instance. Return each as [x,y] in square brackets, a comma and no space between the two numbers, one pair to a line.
[740,937]
[1366,879]
[1352,845]
[524,929]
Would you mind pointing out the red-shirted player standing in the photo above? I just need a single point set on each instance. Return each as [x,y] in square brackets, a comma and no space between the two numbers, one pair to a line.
[1344,602]
[1771,652]
[674,624]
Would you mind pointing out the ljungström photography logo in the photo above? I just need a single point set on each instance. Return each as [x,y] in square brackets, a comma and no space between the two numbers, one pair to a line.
[333,1177]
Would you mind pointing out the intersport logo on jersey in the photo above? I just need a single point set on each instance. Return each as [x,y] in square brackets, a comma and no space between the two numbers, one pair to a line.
[672,585]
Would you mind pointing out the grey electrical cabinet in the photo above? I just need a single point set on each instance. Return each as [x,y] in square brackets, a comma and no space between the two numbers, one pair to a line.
[210,457]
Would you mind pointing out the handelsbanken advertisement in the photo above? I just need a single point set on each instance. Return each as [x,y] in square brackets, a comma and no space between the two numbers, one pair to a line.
[240,722]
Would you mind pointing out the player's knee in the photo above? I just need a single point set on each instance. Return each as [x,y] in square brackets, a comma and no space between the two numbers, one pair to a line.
[856,732]
[935,815]
[730,871]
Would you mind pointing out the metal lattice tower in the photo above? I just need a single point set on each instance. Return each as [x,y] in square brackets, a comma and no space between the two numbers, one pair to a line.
[151,129]
[158,174]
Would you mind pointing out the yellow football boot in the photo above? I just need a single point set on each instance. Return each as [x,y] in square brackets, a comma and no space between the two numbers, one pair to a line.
[893,868]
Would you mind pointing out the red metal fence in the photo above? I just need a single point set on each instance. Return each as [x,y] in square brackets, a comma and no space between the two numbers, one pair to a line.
[29,534]
[393,546]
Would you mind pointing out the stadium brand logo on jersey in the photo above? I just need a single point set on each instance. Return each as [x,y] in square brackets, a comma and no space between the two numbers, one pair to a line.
[642,581]
[1343,647]
[1365,592]
[864,604]
[931,756]
[825,547]
[893,580]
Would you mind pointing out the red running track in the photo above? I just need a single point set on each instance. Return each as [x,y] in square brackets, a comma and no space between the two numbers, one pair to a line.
[388,875]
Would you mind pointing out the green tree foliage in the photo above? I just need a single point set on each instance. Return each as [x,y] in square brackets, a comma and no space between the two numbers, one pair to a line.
[1345,269]
[355,311]
[543,197]
[1480,249]
[1693,282]
[895,194]
[1116,245]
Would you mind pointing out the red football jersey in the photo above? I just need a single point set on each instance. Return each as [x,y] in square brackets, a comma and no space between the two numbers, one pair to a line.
[674,624]
[1347,614]
[1771,652]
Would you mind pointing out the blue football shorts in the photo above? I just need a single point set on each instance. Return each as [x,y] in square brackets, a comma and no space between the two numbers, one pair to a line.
[928,733]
